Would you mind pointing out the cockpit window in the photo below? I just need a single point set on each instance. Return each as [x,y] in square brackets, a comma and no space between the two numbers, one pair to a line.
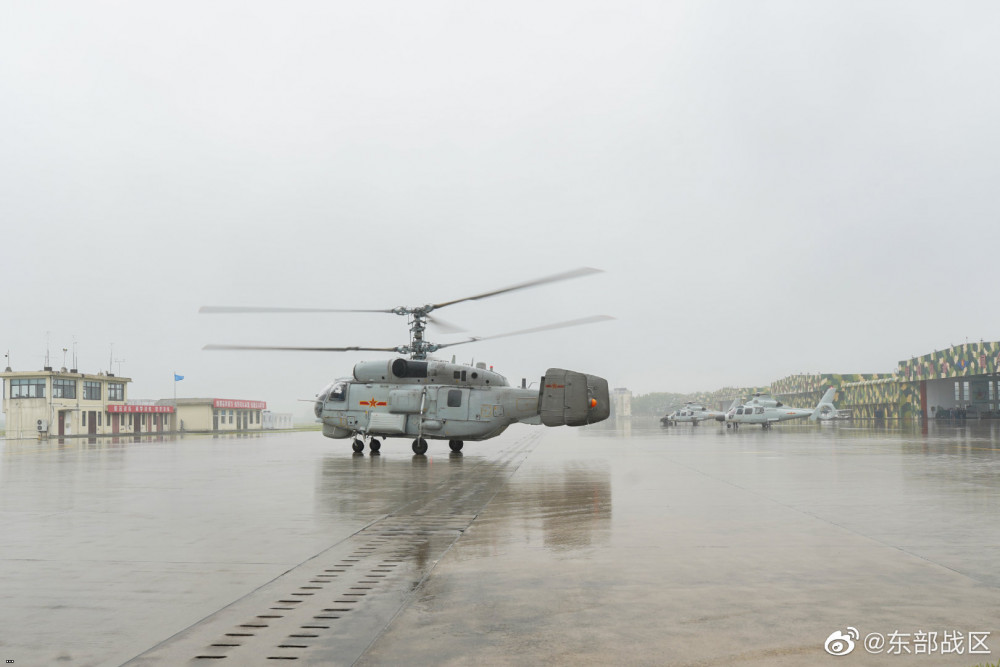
[739,411]
[339,392]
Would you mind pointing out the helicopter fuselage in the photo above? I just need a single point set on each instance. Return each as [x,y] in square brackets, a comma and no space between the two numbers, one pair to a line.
[768,411]
[692,413]
[447,401]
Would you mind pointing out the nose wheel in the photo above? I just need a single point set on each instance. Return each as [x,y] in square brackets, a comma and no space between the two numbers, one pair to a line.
[374,445]
[456,445]
[358,445]
[419,446]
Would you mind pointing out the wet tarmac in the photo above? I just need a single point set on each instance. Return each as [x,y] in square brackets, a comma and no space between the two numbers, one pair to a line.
[631,545]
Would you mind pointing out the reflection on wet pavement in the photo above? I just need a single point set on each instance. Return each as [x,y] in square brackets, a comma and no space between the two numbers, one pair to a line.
[563,507]
[608,544]
[722,548]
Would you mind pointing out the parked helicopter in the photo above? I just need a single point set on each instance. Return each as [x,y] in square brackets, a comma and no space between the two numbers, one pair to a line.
[828,412]
[767,411]
[692,413]
[423,398]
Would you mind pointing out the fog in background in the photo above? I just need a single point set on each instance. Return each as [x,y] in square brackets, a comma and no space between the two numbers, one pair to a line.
[769,187]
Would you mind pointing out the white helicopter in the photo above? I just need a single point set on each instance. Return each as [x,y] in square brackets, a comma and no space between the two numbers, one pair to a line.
[692,413]
[767,411]
[828,412]
[424,398]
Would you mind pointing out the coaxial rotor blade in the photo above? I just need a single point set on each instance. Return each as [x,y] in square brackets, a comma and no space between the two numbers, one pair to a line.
[268,309]
[444,326]
[566,275]
[547,327]
[300,349]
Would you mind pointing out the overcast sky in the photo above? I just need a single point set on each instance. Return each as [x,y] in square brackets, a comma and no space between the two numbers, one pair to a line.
[769,187]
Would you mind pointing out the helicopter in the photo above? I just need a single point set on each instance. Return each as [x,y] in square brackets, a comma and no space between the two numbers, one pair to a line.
[767,411]
[425,398]
[692,413]
[828,412]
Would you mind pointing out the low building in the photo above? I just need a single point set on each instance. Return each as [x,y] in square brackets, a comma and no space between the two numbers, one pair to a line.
[67,402]
[277,420]
[203,415]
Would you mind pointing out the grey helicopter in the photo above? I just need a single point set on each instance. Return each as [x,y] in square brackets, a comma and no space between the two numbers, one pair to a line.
[691,413]
[425,398]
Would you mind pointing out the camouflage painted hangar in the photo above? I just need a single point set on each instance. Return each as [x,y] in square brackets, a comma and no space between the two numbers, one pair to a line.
[963,379]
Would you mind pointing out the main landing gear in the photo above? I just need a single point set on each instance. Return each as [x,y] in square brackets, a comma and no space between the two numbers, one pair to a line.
[359,445]
[419,446]
[456,445]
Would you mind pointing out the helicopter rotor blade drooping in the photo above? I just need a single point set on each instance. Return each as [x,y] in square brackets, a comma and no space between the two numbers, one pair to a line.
[545,327]
[566,275]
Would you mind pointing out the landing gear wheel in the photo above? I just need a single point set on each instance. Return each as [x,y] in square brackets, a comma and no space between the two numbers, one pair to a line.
[374,445]
[358,446]
[419,446]
[456,445]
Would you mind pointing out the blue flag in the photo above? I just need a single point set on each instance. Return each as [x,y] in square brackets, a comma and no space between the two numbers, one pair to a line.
[178,377]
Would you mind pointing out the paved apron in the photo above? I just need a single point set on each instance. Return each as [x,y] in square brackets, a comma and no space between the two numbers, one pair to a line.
[332,607]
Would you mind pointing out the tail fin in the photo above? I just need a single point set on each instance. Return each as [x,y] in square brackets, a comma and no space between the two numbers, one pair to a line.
[825,405]
[573,399]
